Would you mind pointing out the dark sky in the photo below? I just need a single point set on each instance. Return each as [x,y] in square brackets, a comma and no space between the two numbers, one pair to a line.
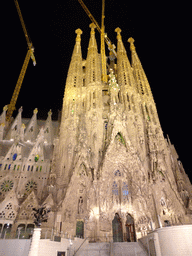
[162,33]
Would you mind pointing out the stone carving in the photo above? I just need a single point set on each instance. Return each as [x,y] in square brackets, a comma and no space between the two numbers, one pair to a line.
[80,205]
[105,224]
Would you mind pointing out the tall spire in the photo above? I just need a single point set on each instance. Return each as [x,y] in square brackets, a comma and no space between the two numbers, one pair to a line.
[138,72]
[74,78]
[125,77]
[93,69]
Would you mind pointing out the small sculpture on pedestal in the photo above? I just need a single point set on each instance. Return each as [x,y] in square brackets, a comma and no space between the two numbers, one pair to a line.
[41,215]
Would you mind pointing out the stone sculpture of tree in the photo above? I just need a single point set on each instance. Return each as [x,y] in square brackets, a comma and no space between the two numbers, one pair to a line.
[41,215]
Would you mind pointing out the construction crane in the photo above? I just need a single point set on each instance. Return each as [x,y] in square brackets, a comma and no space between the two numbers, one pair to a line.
[103,57]
[30,54]
[104,37]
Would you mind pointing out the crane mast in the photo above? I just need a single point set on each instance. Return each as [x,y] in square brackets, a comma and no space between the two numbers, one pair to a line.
[103,56]
[111,46]
[30,54]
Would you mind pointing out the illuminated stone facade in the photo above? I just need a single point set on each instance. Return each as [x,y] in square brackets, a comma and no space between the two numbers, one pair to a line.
[105,169]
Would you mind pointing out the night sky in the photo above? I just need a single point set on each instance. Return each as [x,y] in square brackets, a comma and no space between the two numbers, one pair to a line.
[162,40]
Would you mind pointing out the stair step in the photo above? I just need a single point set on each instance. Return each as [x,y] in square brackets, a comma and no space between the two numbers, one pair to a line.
[118,249]
[128,249]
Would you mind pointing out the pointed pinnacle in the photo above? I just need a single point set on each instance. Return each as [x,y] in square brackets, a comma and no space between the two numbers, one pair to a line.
[132,46]
[118,31]
[35,111]
[92,26]
[78,32]
[5,108]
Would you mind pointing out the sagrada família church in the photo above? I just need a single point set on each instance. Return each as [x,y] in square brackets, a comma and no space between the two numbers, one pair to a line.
[105,168]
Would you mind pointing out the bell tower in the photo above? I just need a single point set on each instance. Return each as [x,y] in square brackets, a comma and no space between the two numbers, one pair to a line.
[113,164]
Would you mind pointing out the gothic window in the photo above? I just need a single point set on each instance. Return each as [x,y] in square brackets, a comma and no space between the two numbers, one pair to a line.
[23,215]
[93,95]
[14,156]
[125,191]
[9,206]
[115,190]
[117,173]
[7,185]
[2,215]
[11,215]
[15,128]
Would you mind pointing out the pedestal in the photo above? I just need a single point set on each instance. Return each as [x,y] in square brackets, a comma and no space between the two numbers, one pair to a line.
[34,248]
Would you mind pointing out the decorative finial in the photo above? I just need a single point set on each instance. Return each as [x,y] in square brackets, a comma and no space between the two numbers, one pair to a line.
[50,113]
[132,46]
[118,31]
[92,26]
[35,111]
[78,32]
[21,109]
[5,108]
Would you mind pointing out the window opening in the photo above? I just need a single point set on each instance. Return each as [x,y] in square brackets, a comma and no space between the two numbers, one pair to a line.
[115,189]
[117,173]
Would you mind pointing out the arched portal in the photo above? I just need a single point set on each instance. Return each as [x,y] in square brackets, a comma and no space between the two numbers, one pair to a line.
[80,229]
[130,229]
[117,229]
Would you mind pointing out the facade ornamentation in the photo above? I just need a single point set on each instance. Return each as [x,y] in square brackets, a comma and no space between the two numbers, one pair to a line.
[105,169]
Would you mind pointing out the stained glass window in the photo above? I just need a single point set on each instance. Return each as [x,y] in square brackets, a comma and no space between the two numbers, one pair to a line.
[125,191]
[31,185]
[115,189]
[117,173]
[7,185]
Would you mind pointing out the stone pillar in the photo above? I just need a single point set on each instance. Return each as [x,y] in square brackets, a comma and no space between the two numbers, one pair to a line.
[34,248]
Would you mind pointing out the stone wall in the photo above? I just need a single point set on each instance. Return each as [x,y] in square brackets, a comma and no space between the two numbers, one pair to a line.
[16,247]
[172,241]
[175,240]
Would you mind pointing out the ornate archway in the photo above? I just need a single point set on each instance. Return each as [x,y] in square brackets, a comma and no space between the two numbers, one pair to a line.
[80,229]
[130,229]
[117,229]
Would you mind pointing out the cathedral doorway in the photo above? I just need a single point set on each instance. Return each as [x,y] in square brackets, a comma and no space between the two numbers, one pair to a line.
[80,229]
[117,229]
[130,229]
